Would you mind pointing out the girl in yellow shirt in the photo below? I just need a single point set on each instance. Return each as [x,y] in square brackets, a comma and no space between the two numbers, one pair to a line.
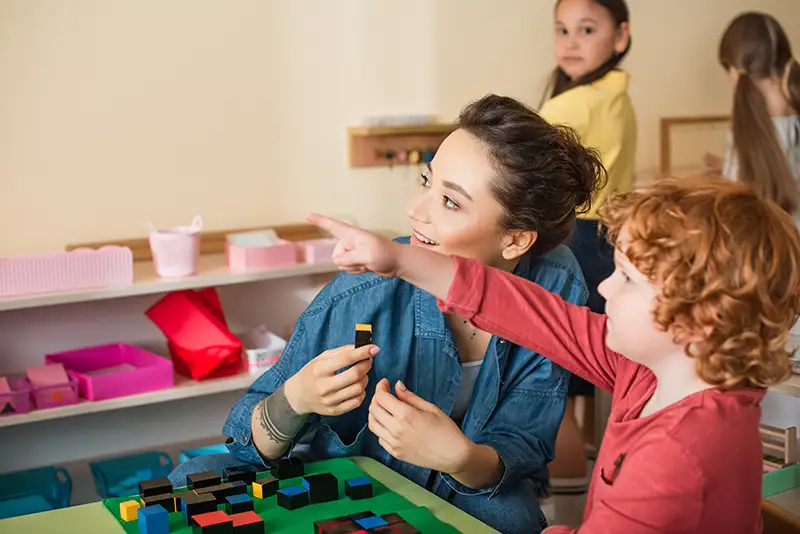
[589,93]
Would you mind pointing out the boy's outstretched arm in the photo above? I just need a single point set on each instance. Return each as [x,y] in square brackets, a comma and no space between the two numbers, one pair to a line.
[495,301]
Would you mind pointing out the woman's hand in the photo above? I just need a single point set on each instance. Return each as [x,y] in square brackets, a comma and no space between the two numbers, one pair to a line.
[317,388]
[416,431]
[359,251]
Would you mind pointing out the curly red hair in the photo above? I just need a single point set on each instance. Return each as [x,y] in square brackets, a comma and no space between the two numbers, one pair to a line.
[728,265]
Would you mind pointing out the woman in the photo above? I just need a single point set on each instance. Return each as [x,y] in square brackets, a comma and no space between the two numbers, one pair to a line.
[482,420]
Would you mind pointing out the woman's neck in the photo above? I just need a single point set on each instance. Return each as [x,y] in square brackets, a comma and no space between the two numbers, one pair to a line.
[777,104]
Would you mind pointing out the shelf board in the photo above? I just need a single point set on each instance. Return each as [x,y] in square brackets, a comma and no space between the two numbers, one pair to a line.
[413,129]
[790,387]
[212,271]
[184,388]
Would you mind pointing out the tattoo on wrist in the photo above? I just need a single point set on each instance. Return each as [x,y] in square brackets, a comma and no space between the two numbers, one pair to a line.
[278,419]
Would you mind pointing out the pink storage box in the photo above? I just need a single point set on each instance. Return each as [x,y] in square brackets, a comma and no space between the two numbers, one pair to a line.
[17,400]
[115,370]
[253,251]
[66,271]
[315,250]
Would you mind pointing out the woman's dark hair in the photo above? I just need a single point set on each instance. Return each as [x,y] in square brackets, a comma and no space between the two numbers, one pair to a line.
[560,82]
[545,175]
[757,48]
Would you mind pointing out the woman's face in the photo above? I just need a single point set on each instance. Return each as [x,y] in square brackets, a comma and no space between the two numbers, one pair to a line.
[454,211]
[586,37]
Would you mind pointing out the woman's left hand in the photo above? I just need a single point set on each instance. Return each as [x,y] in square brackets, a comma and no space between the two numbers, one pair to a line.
[416,431]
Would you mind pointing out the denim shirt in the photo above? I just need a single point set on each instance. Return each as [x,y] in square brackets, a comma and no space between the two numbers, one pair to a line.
[517,403]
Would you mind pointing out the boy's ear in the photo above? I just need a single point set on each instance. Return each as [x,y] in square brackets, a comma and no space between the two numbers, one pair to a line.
[518,242]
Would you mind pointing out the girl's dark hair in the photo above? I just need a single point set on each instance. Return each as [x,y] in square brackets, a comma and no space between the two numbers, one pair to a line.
[560,82]
[757,48]
[545,175]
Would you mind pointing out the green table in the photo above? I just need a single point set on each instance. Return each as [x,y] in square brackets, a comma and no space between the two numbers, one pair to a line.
[93,518]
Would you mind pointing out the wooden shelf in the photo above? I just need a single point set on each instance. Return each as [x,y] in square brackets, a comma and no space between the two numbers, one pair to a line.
[791,387]
[185,388]
[212,271]
[369,145]
[416,129]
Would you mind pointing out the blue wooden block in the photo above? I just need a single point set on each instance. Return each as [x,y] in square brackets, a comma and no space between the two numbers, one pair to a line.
[236,504]
[153,519]
[371,522]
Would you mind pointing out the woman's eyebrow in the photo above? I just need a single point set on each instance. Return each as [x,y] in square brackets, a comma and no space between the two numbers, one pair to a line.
[457,188]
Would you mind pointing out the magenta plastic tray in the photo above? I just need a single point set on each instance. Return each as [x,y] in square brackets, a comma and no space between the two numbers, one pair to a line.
[115,370]
[55,395]
[19,398]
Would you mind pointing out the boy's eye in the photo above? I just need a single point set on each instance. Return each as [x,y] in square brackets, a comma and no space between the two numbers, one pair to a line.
[587,31]
[625,276]
[423,180]
[449,204]
[561,31]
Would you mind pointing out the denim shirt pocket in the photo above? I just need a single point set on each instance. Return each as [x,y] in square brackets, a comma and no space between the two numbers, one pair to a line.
[328,443]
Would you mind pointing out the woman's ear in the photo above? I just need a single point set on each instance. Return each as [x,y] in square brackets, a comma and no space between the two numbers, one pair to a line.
[518,242]
[623,38]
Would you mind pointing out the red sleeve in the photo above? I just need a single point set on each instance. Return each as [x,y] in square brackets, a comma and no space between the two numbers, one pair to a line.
[523,312]
[648,496]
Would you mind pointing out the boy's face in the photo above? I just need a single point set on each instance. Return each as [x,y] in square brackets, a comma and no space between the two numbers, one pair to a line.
[630,301]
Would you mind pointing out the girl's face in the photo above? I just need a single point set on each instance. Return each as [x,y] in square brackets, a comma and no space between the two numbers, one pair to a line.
[455,211]
[586,37]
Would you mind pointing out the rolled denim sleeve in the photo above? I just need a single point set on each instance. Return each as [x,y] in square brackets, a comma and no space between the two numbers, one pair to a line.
[238,425]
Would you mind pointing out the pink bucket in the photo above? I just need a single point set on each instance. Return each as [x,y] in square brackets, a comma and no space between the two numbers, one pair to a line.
[176,250]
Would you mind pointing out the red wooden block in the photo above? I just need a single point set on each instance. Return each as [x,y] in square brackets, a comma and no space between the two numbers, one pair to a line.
[212,518]
[246,518]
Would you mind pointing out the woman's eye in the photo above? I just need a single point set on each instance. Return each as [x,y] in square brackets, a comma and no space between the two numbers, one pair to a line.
[423,180]
[449,204]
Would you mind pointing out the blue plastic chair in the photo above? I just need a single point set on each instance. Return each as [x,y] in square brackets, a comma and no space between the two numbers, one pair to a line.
[120,477]
[188,454]
[35,490]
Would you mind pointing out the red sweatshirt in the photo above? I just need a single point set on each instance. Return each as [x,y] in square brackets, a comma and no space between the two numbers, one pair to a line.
[692,467]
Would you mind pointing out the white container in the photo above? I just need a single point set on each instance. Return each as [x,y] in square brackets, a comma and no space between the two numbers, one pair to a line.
[176,250]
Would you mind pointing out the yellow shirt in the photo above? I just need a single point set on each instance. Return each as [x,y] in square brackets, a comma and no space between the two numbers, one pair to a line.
[602,115]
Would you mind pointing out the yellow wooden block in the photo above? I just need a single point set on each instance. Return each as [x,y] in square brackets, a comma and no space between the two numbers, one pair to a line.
[364,327]
[258,490]
[129,510]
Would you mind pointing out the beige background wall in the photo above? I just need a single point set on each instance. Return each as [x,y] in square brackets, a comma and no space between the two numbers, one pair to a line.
[114,113]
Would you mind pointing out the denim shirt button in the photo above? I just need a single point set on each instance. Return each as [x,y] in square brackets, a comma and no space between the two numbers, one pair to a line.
[502,341]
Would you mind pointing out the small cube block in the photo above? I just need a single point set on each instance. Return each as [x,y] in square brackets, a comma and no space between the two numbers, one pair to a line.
[223,490]
[292,498]
[323,487]
[363,335]
[232,474]
[392,518]
[247,523]
[167,500]
[203,480]
[265,487]
[217,522]
[128,510]
[287,468]
[236,504]
[158,486]
[371,522]
[358,488]
[153,520]
[193,504]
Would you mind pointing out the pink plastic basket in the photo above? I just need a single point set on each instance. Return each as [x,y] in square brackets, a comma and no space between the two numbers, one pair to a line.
[315,250]
[19,398]
[252,258]
[115,370]
[55,395]
[66,271]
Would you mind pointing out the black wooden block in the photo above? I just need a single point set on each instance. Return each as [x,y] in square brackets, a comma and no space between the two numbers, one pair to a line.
[323,487]
[232,474]
[363,335]
[157,486]
[167,500]
[358,488]
[203,480]
[292,498]
[287,468]
[193,504]
[265,487]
